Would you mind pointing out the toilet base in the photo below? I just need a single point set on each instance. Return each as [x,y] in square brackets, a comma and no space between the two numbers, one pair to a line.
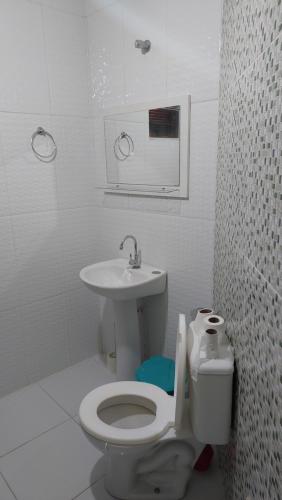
[144,472]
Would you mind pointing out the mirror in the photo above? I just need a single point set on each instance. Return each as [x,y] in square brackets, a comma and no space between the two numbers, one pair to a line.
[147,148]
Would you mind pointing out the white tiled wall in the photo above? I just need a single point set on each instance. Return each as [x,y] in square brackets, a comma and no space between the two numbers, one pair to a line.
[184,59]
[47,319]
[62,62]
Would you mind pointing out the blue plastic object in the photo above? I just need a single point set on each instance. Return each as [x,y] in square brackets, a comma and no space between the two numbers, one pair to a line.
[158,371]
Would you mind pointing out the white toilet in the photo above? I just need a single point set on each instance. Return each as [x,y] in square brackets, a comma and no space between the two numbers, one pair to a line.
[152,440]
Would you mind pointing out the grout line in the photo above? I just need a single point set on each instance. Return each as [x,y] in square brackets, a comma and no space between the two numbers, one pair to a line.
[93,358]
[88,63]
[44,114]
[163,214]
[52,210]
[94,10]
[89,487]
[44,35]
[85,117]
[74,419]
[56,9]
[7,484]
[38,301]
[35,437]
[102,207]
[53,399]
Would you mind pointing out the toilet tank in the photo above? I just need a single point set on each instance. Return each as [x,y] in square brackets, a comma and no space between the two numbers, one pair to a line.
[210,389]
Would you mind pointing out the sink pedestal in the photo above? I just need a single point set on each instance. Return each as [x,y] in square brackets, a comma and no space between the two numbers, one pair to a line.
[128,344]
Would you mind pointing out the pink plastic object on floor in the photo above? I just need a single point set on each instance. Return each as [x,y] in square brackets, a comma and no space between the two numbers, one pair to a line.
[204,459]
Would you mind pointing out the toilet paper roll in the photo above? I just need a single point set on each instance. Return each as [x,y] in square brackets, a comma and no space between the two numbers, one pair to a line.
[202,313]
[211,343]
[214,321]
[217,322]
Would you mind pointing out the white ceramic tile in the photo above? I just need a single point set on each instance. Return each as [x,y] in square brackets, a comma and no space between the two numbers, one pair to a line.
[189,263]
[38,251]
[58,465]
[99,151]
[95,492]
[24,415]
[12,352]
[145,75]
[24,82]
[69,6]
[79,241]
[16,130]
[206,485]
[115,201]
[76,186]
[193,34]
[106,55]
[83,323]
[75,167]
[76,419]
[148,204]
[4,200]
[5,492]
[67,62]
[203,161]
[8,266]
[44,327]
[31,183]
[92,5]
[70,386]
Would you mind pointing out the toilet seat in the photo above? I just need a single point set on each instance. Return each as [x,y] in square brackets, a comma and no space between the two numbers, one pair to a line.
[135,393]
[168,409]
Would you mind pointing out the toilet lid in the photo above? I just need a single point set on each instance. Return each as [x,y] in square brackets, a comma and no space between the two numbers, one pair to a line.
[180,369]
[127,393]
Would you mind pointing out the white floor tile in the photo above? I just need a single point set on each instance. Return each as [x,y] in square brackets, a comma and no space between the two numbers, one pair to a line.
[96,492]
[24,415]
[58,465]
[70,386]
[203,486]
[63,463]
[5,493]
[206,485]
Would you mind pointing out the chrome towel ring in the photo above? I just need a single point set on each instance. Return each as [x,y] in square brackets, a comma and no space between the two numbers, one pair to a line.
[119,153]
[45,158]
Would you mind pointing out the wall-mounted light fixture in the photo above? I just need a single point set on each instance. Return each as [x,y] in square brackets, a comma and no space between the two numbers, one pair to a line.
[144,45]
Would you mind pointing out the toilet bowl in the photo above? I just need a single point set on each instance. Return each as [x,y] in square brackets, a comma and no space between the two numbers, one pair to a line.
[152,440]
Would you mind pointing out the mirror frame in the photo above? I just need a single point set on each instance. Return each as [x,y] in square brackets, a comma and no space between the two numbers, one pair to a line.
[180,191]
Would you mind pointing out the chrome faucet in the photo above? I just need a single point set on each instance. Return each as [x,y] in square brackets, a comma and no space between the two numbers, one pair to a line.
[135,261]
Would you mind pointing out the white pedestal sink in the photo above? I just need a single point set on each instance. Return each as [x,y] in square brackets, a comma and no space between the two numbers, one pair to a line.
[116,280]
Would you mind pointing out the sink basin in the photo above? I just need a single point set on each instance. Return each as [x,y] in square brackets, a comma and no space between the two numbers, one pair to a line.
[116,280]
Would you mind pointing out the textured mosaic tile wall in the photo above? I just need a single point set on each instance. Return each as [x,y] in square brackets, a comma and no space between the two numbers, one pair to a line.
[248,251]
